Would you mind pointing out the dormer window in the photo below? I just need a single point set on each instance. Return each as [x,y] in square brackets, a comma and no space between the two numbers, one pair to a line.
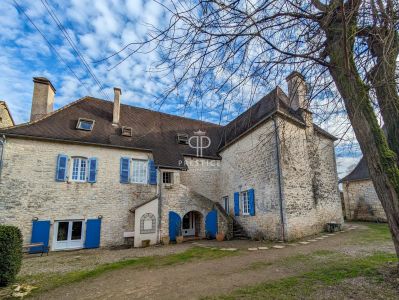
[127,131]
[85,124]
[182,138]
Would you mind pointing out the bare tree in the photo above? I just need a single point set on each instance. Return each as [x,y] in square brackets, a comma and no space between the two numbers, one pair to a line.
[348,49]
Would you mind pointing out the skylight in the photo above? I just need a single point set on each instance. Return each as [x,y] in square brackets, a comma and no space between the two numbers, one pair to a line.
[85,124]
[182,138]
[127,131]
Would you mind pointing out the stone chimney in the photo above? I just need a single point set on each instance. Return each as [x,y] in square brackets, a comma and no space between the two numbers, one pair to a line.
[43,98]
[117,106]
[297,91]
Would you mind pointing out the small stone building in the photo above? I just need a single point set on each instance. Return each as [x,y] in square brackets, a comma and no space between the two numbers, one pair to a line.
[360,198]
[96,173]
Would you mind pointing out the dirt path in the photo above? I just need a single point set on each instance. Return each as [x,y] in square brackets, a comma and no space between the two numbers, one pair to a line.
[204,278]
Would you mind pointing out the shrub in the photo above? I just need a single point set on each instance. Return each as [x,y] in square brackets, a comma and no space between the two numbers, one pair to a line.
[10,253]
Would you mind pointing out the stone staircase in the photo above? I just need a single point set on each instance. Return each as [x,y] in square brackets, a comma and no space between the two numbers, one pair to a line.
[239,232]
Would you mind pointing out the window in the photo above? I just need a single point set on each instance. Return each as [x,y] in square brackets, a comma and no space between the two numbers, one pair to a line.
[85,124]
[79,169]
[167,177]
[245,203]
[140,168]
[226,204]
[182,138]
[127,131]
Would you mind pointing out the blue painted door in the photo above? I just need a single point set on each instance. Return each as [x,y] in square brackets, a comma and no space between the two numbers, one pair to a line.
[211,224]
[40,234]
[174,225]
[93,232]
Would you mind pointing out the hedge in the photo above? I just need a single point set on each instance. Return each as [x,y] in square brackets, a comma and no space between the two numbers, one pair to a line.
[10,253]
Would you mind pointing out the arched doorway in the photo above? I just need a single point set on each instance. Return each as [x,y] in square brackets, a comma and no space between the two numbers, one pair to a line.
[193,224]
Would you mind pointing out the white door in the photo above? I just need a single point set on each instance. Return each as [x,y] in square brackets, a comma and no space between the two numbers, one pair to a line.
[68,234]
[189,224]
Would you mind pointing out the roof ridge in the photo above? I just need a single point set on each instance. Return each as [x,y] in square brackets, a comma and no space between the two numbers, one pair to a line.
[159,112]
[270,93]
[51,113]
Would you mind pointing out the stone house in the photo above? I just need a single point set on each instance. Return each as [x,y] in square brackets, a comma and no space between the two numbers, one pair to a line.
[96,173]
[6,119]
[360,198]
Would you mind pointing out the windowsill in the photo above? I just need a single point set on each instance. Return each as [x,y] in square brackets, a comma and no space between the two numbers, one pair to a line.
[74,181]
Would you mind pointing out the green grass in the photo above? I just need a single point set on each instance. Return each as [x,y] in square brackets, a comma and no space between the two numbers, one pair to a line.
[330,272]
[377,232]
[45,282]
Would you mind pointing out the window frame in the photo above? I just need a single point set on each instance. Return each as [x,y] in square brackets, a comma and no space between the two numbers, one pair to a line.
[244,197]
[226,200]
[80,120]
[145,176]
[163,177]
[80,158]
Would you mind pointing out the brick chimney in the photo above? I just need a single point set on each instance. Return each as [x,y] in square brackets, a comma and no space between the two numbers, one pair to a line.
[117,106]
[297,90]
[43,98]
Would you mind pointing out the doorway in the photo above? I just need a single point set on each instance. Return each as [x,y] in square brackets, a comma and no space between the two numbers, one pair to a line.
[68,234]
[191,224]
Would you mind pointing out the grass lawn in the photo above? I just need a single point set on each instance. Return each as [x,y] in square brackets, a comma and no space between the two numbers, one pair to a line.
[45,282]
[329,270]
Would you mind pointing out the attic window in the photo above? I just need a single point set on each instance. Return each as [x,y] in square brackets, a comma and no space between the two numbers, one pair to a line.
[127,131]
[182,138]
[85,124]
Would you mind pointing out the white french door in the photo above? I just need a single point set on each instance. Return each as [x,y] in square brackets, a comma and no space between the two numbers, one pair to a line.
[189,224]
[68,234]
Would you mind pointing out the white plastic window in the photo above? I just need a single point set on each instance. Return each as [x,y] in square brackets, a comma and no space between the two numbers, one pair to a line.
[140,171]
[79,169]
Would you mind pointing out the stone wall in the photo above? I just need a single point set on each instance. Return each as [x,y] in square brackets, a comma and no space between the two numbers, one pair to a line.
[202,176]
[28,188]
[251,162]
[361,201]
[310,183]
[5,119]
[182,199]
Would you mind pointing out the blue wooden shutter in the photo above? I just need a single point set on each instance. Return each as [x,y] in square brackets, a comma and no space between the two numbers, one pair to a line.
[40,234]
[251,198]
[211,224]
[93,232]
[236,204]
[62,166]
[125,170]
[174,225]
[152,178]
[92,174]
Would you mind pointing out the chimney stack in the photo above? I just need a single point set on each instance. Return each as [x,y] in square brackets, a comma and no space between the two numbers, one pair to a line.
[297,91]
[43,98]
[117,106]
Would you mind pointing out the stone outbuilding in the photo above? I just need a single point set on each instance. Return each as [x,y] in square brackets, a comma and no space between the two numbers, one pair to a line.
[361,201]
[99,173]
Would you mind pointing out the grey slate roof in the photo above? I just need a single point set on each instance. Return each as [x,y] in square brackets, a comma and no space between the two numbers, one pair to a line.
[152,131]
[360,172]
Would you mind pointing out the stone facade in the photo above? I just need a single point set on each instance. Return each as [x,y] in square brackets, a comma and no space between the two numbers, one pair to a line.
[5,116]
[310,190]
[28,188]
[290,167]
[361,201]
[252,163]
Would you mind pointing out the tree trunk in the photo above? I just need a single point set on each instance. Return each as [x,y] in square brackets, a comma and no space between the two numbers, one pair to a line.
[384,45]
[381,160]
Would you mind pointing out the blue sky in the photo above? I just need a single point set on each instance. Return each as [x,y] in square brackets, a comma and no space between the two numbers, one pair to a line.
[98,29]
